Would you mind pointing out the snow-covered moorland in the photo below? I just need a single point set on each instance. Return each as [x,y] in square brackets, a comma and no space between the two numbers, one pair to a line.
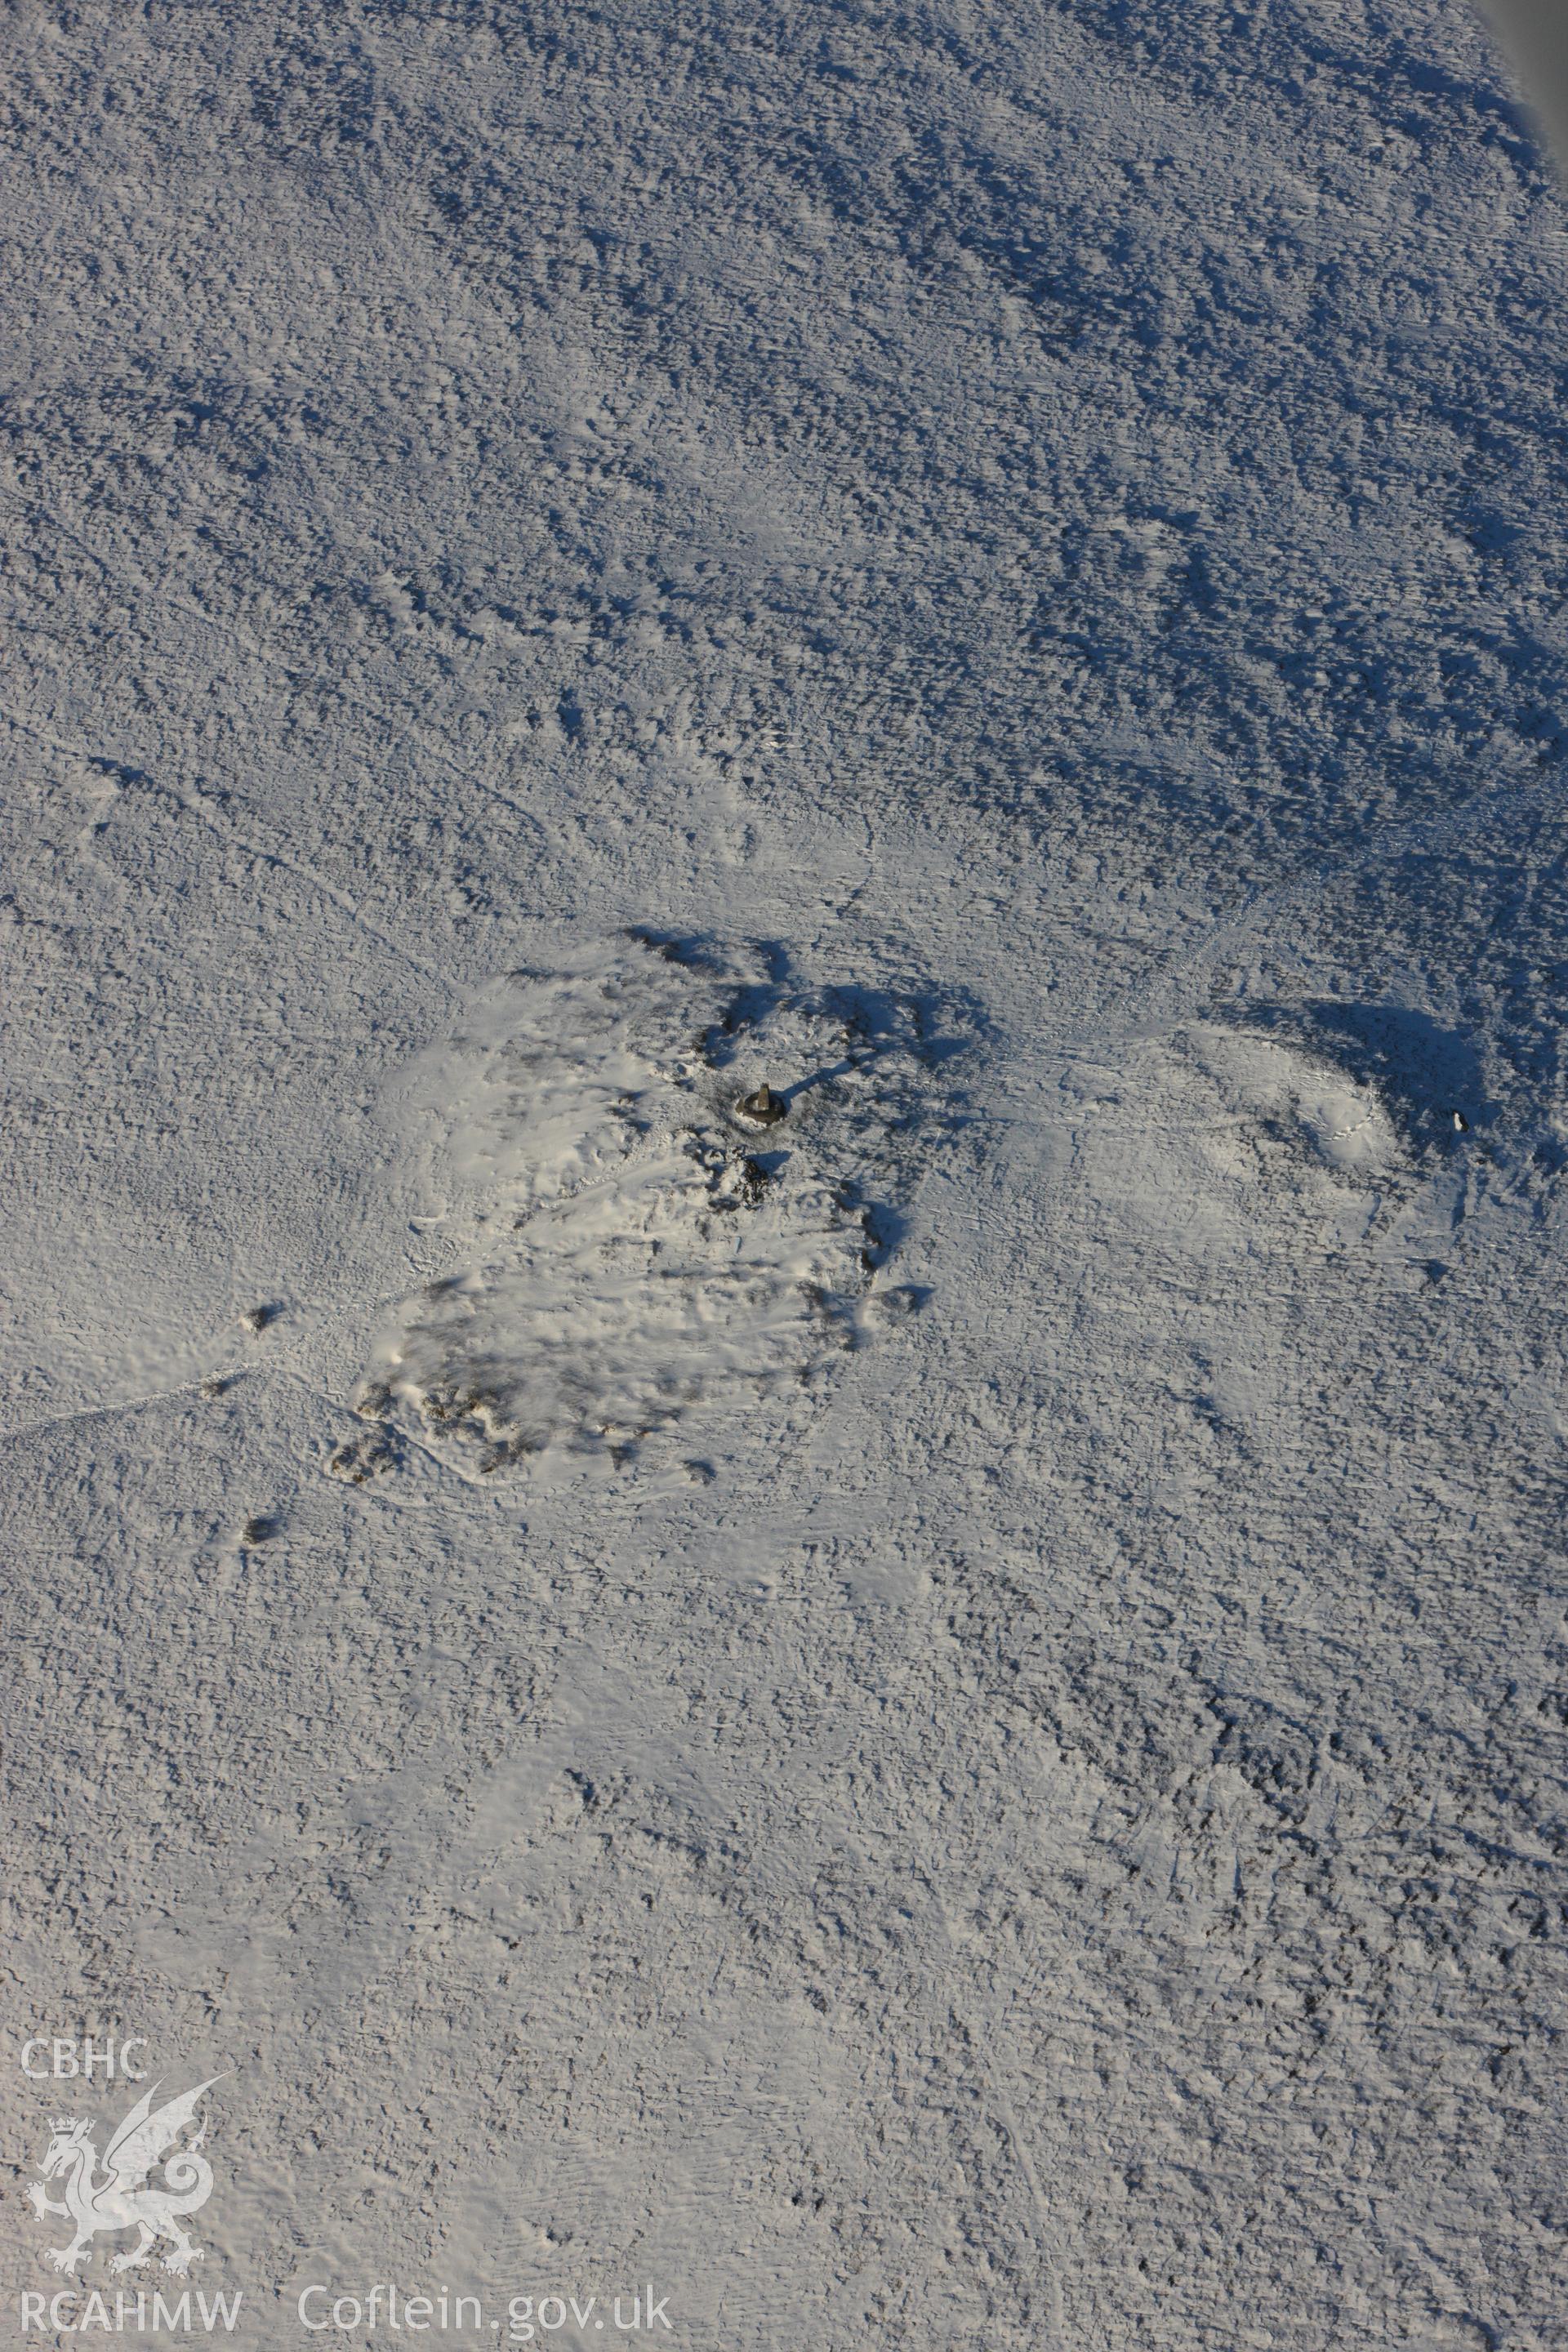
[939,1723]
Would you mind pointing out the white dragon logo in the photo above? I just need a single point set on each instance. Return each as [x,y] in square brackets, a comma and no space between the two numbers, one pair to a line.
[120,2199]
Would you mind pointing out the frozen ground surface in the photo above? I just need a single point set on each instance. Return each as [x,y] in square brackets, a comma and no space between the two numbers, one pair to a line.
[944,1725]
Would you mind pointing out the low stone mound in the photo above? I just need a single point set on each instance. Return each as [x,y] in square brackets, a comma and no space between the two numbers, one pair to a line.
[628,1244]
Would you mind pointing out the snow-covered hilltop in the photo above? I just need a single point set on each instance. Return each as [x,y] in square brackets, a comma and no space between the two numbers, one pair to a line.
[937,1722]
